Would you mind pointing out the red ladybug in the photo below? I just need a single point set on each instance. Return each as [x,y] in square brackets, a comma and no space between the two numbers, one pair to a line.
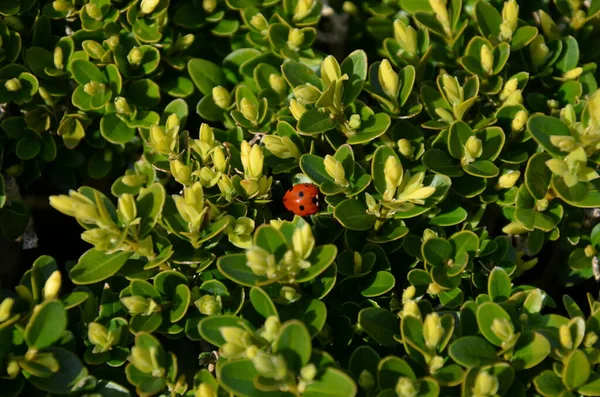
[302,199]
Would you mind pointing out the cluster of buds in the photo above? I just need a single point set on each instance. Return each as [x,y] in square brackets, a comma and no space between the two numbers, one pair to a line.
[573,169]
[510,19]
[303,9]
[511,94]
[238,343]
[282,147]
[255,184]
[192,209]
[164,140]
[263,263]
[403,190]
[212,158]
[103,339]
[455,95]
[239,231]
[149,360]
[209,305]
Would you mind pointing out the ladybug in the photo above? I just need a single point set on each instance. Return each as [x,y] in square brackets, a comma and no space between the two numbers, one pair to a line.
[302,199]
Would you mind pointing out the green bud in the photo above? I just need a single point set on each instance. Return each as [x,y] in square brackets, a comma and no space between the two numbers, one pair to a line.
[590,251]
[289,294]
[209,5]
[13,369]
[366,381]
[452,89]
[590,339]
[406,36]
[205,390]
[539,51]
[181,172]
[252,160]
[277,83]
[272,325]
[209,305]
[503,329]
[349,8]
[303,9]
[61,5]
[135,304]
[519,121]
[5,309]
[405,387]
[12,85]
[297,109]
[567,115]
[163,141]
[249,110]
[281,146]
[272,367]
[295,38]
[508,179]
[135,56]
[259,22]
[355,122]
[474,147]
[93,88]
[94,11]
[98,335]
[405,148]
[308,372]
[435,364]
[148,6]
[221,96]
[335,170]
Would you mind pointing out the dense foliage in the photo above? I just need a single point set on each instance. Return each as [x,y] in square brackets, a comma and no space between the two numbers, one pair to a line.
[455,145]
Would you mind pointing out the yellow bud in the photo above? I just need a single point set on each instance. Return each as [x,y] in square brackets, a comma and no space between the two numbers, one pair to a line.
[148,6]
[303,241]
[221,96]
[12,85]
[127,208]
[58,57]
[181,172]
[307,93]
[485,385]
[219,159]
[297,109]
[259,22]
[226,186]
[206,134]
[277,83]
[282,147]
[508,180]
[505,31]
[330,70]
[411,309]
[487,59]
[94,88]
[510,14]
[249,110]
[405,148]
[302,10]
[503,329]
[209,5]
[289,294]
[573,73]
[452,89]
[162,141]
[295,38]
[52,285]
[539,51]
[441,12]
[516,98]
[97,334]
[94,11]
[563,142]
[61,5]
[260,261]
[349,8]
[6,308]
[135,56]
[255,162]
[272,325]
[13,368]
[388,79]
[335,170]
[591,338]
[405,387]
[566,340]
[406,36]
[355,122]
[511,86]
[408,293]
[122,106]
[393,172]
[518,123]
[209,305]
[308,372]
[205,390]
[474,147]
[433,331]
[590,251]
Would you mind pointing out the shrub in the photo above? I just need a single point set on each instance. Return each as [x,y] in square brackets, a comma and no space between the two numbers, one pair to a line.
[455,148]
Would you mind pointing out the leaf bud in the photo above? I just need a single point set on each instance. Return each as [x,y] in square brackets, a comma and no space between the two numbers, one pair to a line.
[259,22]
[58,58]
[508,179]
[330,70]
[433,332]
[13,85]
[148,6]
[297,109]
[539,51]
[260,261]
[388,79]
[573,73]
[249,110]
[510,14]
[295,38]
[441,12]
[205,390]
[52,285]
[184,42]
[435,364]
[163,141]
[61,5]
[277,83]
[366,381]
[355,122]
[307,93]
[405,148]
[303,241]
[122,106]
[221,96]
[393,172]
[135,304]
[474,147]
[289,294]
[487,59]
[209,305]
[281,146]
[93,88]
[406,36]
[349,8]
[485,385]
[503,329]
[94,11]
[590,251]
[302,10]
[209,5]
[590,339]
[335,170]
[565,337]
[181,172]
[97,334]
[127,208]
[135,56]
[519,121]
[452,89]
[5,309]
[411,309]
[406,387]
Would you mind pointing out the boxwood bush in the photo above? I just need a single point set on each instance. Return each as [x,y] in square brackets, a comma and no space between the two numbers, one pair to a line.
[455,146]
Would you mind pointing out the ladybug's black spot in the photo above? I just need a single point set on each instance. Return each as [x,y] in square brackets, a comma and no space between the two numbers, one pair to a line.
[301,194]
[315,200]
[301,208]
[306,185]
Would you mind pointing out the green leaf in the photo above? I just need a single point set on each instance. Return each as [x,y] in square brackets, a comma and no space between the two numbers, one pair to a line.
[314,167]
[390,369]
[85,71]
[150,203]
[144,93]
[437,251]
[531,349]
[237,377]
[380,324]
[315,122]
[363,358]
[235,268]
[482,169]
[355,66]
[538,175]
[180,302]
[95,266]
[472,352]
[320,259]
[352,214]
[548,383]
[577,369]
[208,327]
[378,284]
[499,285]
[488,19]
[439,162]
[486,314]
[206,75]
[262,303]
[332,383]
[63,381]
[115,130]
[543,127]
[294,344]
[46,326]
[297,73]
[270,239]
